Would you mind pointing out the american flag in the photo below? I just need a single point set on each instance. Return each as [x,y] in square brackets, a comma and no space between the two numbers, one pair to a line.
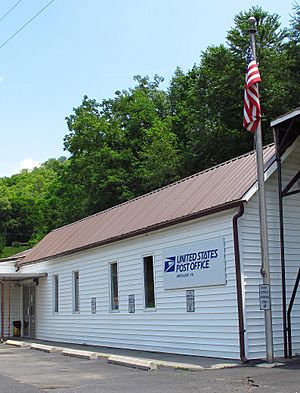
[251,95]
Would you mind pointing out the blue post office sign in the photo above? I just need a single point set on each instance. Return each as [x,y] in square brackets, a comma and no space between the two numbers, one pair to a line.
[194,265]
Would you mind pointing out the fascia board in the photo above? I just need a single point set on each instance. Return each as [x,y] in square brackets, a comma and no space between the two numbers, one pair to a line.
[285,117]
[268,172]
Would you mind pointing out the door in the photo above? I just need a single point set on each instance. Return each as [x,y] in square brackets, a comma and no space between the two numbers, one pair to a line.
[29,311]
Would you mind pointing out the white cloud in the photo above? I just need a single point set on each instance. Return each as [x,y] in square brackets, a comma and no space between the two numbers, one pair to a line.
[29,164]
[1,79]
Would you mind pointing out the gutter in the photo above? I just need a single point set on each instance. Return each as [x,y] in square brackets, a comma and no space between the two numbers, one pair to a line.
[239,292]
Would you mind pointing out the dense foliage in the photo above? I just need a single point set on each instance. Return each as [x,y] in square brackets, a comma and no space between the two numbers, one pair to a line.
[146,137]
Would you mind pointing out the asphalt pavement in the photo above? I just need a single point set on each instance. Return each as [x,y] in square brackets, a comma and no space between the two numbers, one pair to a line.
[27,370]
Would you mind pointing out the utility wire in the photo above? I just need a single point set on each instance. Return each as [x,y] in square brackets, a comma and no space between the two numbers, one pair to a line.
[27,23]
[9,11]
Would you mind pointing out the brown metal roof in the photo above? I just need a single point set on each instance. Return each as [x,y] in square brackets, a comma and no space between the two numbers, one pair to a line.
[217,188]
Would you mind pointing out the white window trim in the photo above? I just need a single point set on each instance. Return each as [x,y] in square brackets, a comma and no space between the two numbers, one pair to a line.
[54,293]
[73,291]
[110,309]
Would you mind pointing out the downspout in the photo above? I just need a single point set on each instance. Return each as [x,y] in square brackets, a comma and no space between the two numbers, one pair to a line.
[2,310]
[239,281]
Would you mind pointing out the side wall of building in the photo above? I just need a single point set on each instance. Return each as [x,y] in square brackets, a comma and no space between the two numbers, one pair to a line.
[251,256]
[212,330]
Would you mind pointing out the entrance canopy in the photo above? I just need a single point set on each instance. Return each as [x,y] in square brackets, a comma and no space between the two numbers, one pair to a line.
[16,276]
[287,129]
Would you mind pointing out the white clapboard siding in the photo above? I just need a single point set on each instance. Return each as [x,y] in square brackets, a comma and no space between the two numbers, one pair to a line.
[212,330]
[7,267]
[251,257]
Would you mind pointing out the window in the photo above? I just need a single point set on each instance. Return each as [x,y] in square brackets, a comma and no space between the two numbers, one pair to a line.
[76,291]
[114,290]
[149,282]
[55,293]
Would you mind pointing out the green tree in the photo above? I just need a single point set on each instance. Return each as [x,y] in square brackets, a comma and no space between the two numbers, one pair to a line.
[295,24]
[293,48]
[5,210]
[276,62]
[159,159]
[124,146]
[25,203]
[207,101]
[269,35]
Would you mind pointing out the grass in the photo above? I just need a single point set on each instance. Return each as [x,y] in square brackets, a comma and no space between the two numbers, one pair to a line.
[9,251]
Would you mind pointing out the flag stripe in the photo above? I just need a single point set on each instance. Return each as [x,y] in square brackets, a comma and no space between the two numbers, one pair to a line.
[251,96]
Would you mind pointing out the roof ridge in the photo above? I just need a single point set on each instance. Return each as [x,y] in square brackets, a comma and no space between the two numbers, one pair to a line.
[164,187]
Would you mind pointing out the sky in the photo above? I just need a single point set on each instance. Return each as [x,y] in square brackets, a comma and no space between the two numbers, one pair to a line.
[94,47]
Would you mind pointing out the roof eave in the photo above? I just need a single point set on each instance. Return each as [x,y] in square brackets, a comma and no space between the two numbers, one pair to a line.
[285,117]
[11,259]
[270,168]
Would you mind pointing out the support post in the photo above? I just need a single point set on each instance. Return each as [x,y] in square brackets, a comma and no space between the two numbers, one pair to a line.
[2,310]
[8,327]
[282,249]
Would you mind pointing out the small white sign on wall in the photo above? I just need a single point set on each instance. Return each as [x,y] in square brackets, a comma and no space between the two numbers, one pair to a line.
[194,265]
[264,297]
[93,305]
[131,304]
[190,300]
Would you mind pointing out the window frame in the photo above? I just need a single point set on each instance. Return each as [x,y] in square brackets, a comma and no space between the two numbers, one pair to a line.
[111,291]
[76,310]
[147,307]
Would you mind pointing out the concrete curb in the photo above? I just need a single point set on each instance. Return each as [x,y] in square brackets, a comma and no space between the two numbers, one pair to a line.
[194,367]
[270,365]
[220,366]
[45,348]
[80,354]
[180,366]
[16,343]
[102,355]
[142,364]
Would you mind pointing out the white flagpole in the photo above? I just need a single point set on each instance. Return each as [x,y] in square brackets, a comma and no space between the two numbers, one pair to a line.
[265,267]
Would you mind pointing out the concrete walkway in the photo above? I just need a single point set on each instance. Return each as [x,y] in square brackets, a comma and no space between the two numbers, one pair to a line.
[128,357]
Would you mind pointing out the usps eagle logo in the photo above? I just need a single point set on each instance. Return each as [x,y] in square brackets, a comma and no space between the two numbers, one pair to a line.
[170,264]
